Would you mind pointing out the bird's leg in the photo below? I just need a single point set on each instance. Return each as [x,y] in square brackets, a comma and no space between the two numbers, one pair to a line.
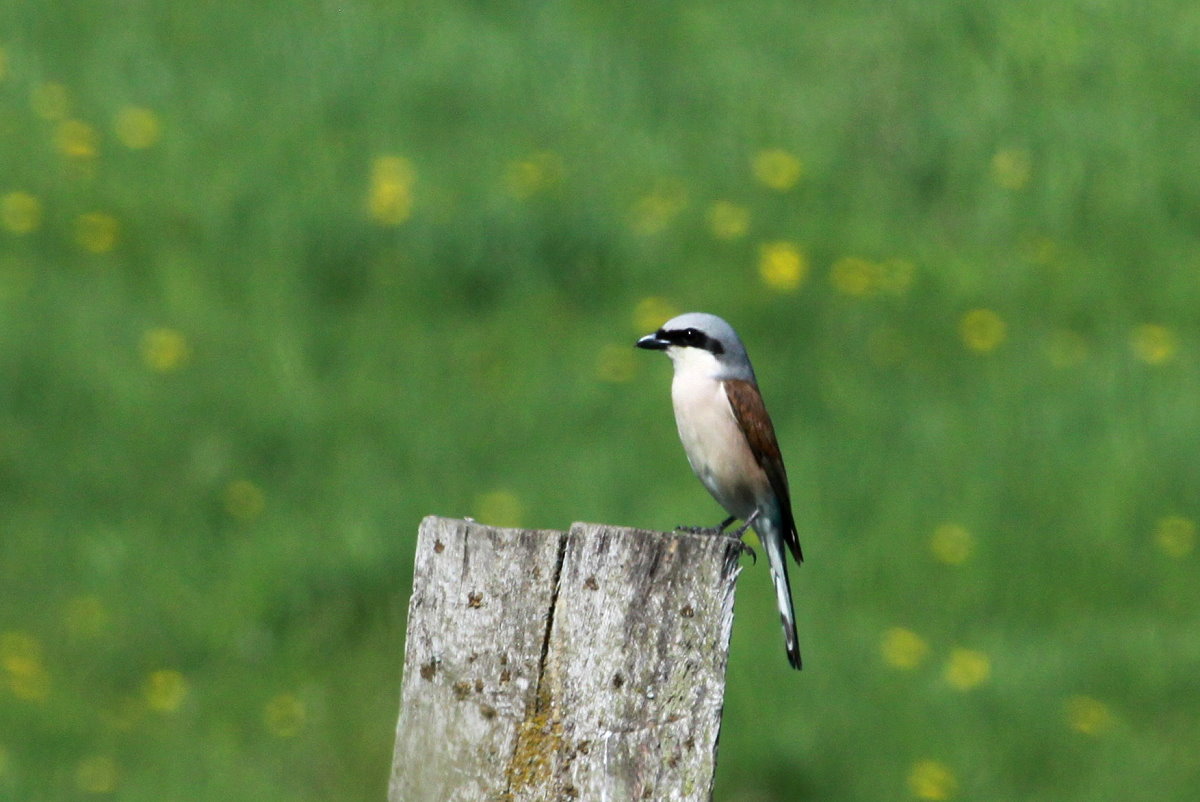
[741,530]
[743,547]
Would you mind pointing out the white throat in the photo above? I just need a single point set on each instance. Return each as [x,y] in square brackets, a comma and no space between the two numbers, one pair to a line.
[694,363]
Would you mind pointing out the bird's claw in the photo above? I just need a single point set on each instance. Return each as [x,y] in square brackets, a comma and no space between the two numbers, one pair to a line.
[700,530]
[719,529]
[745,548]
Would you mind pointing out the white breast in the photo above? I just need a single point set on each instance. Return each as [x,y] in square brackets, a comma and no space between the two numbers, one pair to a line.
[715,446]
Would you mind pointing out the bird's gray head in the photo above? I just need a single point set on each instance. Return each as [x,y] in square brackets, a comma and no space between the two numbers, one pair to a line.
[698,339]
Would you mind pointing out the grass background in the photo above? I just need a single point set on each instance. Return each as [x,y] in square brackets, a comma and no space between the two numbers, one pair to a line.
[278,279]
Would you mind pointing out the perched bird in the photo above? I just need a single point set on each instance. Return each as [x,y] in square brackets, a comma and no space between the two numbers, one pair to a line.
[730,441]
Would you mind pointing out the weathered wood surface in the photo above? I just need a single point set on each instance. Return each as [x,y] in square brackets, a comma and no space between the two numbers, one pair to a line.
[580,665]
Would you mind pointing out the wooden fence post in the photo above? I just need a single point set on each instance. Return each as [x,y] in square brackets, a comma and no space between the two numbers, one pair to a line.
[580,665]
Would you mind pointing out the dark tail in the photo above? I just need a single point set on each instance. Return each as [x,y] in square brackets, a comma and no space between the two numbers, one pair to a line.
[772,541]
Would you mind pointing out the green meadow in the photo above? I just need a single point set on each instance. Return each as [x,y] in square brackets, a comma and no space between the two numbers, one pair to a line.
[278,279]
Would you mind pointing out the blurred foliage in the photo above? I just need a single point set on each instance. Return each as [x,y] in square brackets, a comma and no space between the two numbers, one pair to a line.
[277,279]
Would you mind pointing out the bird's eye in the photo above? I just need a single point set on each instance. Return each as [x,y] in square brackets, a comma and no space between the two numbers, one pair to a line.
[692,337]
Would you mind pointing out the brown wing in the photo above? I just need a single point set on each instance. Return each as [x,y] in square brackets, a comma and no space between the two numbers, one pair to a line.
[755,423]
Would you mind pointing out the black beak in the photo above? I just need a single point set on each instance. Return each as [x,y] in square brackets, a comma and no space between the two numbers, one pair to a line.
[653,343]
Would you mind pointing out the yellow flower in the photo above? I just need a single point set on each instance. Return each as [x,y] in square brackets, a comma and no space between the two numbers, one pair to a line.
[728,221]
[137,128]
[1088,716]
[851,275]
[615,363]
[777,169]
[653,212]
[782,265]
[76,139]
[50,101]
[20,646]
[498,508]
[1011,168]
[97,774]
[244,500]
[20,212]
[951,544]
[982,330]
[97,232]
[85,617]
[165,690]
[1175,536]
[389,198]
[1153,344]
[284,716]
[1065,348]
[537,173]
[651,312]
[30,682]
[164,350]
[903,648]
[932,779]
[967,669]
[21,660]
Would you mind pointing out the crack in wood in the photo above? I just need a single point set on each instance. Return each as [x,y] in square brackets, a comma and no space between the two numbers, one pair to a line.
[559,558]
[539,735]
